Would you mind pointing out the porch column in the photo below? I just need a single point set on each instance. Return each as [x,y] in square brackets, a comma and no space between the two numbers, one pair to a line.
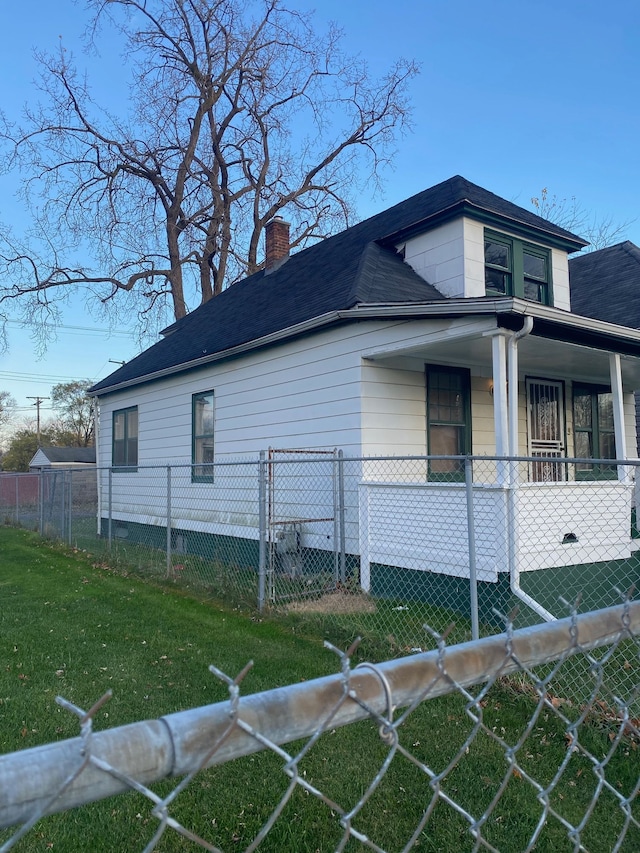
[500,406]
[618,414]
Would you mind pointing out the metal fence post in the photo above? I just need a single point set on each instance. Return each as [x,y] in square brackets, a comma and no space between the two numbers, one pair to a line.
[262,524]
[336,518]
[343,559]
[168,520]
[110,514]
[63,504]
[471,538]
[17,501]
[70,509]
[41,500]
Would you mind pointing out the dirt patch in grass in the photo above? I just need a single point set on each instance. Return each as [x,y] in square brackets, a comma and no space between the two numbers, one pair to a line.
[337,601]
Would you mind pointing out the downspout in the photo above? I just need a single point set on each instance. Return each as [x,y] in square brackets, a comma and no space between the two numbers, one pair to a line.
[512,487]
[512,393]
[96,443]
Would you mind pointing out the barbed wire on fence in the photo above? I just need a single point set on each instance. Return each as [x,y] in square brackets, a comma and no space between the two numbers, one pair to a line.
[532,662]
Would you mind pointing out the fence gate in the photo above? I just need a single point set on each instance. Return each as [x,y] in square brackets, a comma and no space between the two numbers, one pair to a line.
[305,523]
[56,504]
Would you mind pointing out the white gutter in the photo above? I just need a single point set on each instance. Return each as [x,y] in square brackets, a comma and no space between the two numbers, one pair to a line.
[512,487]
[96,437]
[497,306]
[387,311]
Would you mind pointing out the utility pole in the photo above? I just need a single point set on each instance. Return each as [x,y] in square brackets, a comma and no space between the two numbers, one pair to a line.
[37,404]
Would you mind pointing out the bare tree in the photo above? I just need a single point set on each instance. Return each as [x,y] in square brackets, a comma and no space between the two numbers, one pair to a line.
[76,413]
[570,214]
[239,111]
[7,406]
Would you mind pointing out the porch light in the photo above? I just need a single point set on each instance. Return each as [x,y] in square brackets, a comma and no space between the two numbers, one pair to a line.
[491,387]
[568,538]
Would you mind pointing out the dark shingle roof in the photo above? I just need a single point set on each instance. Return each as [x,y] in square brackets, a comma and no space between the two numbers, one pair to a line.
[70,454]
[605,284]
[357,266]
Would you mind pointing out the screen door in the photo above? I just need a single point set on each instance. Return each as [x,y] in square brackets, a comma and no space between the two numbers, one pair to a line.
[545,410]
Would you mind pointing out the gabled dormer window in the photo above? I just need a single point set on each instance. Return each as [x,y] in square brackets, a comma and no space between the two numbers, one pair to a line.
[515,268]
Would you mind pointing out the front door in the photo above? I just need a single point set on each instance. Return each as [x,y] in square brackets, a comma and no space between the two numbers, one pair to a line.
[545,422]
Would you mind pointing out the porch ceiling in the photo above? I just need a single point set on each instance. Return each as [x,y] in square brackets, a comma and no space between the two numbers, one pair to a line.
[538,356]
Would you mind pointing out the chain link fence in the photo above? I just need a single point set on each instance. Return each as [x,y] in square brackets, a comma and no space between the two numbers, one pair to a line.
[20,499]
[359,546]
[520,767]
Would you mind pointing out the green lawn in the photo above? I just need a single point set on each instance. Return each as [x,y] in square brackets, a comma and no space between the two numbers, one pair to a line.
[73,628]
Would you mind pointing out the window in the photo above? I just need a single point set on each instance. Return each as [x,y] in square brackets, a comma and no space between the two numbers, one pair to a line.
[448,420]
[594,431]
[125,438]
[514,268]
[202,441]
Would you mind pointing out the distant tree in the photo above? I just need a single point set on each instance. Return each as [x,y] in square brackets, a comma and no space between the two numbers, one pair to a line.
[76,414]
[568,213]
[7,405]
[239,111]
[22,448]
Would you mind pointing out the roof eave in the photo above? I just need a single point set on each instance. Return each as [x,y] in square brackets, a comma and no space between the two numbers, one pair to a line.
[549,322]
[402,310]
[568,242]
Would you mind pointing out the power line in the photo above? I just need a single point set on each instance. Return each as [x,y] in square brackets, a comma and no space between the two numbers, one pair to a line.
[127,333]
[12,376]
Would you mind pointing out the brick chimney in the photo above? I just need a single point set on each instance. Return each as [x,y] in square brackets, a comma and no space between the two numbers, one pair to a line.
[276,243]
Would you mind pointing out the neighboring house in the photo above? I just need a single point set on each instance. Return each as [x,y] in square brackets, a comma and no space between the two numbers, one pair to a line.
[606,285]
[440,326]
[63,457]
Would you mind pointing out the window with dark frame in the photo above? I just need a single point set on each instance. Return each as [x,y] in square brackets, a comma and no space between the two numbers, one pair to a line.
[202,454]
[516,268]
[124,455]
[594,432]
[448,420]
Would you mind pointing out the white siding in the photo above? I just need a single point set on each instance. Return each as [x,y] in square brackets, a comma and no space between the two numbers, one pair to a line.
[316,392]
[303,394]
[394,418]
[438,257]
[560,274]
[473,258]
[483,439]
[451,257]
[393,411]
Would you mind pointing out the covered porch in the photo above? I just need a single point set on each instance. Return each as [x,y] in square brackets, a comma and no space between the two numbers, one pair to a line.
[537,404]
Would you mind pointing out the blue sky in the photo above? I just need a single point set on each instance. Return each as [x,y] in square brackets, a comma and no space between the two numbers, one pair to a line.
[515,95]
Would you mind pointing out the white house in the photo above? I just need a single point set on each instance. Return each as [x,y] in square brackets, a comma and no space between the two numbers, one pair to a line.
[63,457]
[441,326]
